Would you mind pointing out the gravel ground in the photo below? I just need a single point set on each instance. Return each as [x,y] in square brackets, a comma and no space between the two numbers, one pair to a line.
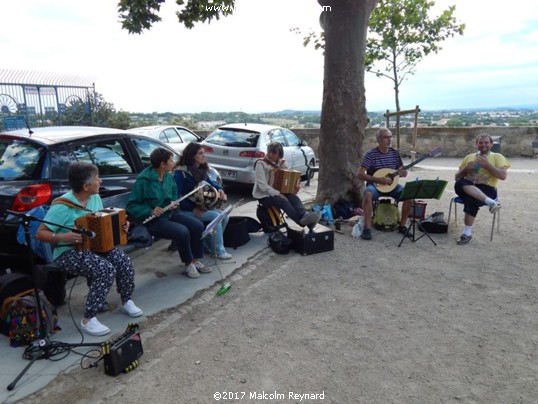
[369,322]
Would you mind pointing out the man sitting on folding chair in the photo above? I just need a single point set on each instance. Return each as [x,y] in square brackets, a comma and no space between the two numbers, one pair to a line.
[476,182]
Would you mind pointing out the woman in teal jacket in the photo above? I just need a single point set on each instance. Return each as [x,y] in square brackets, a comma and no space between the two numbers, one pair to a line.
[156,189]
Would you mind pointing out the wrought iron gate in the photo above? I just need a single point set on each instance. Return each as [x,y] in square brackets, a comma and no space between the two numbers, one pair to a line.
[44,99]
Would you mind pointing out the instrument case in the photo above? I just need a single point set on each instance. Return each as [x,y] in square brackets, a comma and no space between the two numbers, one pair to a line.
[306,241]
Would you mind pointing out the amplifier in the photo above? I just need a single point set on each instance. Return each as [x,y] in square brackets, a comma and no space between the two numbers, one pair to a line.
[121,354]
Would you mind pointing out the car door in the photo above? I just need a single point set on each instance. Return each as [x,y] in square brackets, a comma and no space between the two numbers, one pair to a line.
[110,154]
[297,161]
[187,136]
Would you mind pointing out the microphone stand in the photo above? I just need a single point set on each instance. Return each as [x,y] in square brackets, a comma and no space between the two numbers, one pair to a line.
[44,345]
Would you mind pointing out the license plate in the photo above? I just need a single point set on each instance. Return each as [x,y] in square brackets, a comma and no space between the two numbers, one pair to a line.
[228,174]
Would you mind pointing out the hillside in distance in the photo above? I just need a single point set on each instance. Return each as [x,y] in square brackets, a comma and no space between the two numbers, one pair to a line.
[509,116]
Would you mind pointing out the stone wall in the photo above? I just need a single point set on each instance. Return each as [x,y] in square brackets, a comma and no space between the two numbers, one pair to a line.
[514,141]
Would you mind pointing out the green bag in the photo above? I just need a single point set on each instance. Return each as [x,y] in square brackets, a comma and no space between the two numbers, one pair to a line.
[386,216]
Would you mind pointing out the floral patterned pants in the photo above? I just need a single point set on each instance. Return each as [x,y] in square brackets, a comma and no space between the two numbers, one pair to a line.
[100,270]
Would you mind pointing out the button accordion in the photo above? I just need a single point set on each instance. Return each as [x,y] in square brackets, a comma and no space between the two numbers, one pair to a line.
[107,224]
[285,181]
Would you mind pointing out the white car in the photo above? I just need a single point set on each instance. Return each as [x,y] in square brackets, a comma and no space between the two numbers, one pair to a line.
[177,137]
[234,148]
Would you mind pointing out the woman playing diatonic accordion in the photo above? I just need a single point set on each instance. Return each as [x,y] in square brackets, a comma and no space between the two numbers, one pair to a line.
[269,196]
[154,190]
[100,269]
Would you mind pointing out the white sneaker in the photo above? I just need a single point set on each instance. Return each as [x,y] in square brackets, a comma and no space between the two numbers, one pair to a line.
[494,207]
[202,268]
[130,309]
[225,256]
[191,271]
[94,327]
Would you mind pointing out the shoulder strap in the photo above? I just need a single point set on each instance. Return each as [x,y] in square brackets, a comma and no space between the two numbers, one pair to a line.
[9,300]
[68,202]
[266,161]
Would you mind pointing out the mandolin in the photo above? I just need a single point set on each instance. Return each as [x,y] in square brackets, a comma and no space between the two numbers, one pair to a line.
[395,174]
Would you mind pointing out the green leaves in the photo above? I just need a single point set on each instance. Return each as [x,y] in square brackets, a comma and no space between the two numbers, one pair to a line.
[138,15]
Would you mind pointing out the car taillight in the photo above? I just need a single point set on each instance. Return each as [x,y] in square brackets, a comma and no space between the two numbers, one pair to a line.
[208,149]
[31,197]
[258,154]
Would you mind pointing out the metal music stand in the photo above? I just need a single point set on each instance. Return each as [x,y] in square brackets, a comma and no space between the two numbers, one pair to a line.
[210,230]
[425,189]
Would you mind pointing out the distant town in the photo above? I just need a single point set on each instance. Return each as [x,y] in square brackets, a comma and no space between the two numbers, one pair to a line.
[311,119]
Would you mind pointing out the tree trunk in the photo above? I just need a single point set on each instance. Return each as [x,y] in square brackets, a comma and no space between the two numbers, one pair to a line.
[343,113]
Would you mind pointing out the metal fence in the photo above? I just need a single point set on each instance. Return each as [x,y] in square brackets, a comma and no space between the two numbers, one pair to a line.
[44,99]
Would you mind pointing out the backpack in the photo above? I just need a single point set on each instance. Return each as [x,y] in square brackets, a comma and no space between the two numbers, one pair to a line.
[42,249]
[386,216]
[20,314]
[343,209]
[270,218]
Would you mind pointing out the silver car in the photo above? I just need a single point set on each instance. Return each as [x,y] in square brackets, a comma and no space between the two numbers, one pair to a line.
[177,137]
[234,148]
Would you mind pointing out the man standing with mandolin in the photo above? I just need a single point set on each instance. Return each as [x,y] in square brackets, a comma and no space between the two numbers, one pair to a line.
[380,168]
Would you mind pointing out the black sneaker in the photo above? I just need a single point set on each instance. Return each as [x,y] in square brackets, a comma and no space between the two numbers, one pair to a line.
[402,229]
[366,234]
[464,239]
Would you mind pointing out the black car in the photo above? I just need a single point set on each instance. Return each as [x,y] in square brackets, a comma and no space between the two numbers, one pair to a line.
[33,171]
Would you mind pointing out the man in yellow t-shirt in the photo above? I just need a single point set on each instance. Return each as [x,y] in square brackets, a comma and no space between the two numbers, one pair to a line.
[476,182]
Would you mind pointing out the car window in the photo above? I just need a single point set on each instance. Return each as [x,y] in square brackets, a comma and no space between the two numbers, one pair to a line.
[107,155]
[291,138]
[144,147]
[162,137]
[276,135]
[19,159]
[172,135]
[187,136]
[233,138]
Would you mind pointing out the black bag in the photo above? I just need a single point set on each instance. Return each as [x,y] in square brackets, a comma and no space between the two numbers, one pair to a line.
[236,232]
[343,209]
[435,224]
[279,242]
[140,236]
[270,218]
[12,284]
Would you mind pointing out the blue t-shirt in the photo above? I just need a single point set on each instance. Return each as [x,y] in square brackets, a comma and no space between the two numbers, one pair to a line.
[65,215]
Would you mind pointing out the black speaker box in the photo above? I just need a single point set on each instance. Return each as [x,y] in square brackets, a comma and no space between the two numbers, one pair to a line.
[121,355]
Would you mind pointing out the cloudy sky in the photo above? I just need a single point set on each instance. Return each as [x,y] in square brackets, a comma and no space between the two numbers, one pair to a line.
[252,62]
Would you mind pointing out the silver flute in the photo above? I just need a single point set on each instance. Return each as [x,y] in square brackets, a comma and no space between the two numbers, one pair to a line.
[169,206]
